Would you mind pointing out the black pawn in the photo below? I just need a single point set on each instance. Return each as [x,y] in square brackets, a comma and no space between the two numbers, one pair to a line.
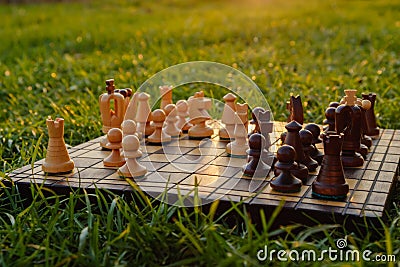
[330,120]
[306,138]
[315,152]
[256,167]
[285,181]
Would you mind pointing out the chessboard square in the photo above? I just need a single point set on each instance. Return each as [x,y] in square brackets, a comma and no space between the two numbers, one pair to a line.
[230,161]
[352,183]
[160,158]
[93,147]
[395,143]
[181,167]
[373,165]
[386,176]
[383,187]
[386,134]
[96,173]
[394,150]
[214,170]
[153,166]
[77,153]
[376,156]
[85,145]
[359,197]
[207,151]
[384,149]
[36,170]
[148,149]
[163,178]
[389,166]
[86,162]
[174,150]
[384,142]
[194,159]
[204,180]
[392,158]
[377,199]
[188,143]
[96,154]
[364,185]
[100,165]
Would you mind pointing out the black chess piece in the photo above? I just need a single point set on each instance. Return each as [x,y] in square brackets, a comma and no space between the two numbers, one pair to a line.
[315,153]
[256,167]
[334,104]
[372,128]
[306,138]
[330,182]
[255,121]
[295,108]
[365,139]
[330,119]
[283,137]
[293,139]
[286,182]
[348,121]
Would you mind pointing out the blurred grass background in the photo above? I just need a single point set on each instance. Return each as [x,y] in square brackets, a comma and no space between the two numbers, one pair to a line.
[55,57]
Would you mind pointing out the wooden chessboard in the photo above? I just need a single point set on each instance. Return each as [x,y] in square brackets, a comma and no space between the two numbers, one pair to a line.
[175,168]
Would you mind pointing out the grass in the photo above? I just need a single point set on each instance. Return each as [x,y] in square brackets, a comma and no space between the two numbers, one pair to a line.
[55,57]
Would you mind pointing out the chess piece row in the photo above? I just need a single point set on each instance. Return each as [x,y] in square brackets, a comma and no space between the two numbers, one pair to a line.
[345,140]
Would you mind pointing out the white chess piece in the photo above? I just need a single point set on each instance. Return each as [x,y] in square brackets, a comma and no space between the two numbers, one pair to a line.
[239,146]
[170,121]
[182,108]
[132,168]
[128,128]
[228,117]
[166,95]
[143,115]
[198,105]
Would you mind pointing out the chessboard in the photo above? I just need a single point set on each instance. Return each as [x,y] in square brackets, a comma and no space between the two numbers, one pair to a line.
[184,168]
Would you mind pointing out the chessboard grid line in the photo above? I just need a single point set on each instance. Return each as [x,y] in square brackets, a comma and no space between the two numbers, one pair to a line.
[359,179]
[366,203]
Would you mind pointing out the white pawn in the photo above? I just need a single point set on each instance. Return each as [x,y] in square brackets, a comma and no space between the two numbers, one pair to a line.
[129,128]
[170,122]
[132,168]
[182,108]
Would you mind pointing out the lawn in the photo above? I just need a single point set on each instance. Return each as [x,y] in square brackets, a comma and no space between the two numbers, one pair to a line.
[55,57]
